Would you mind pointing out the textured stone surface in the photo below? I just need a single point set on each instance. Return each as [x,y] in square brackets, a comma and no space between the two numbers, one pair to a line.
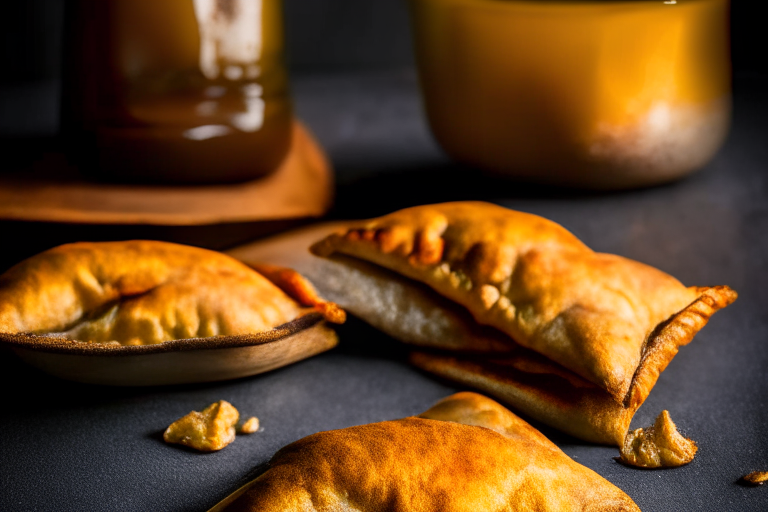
[75,447]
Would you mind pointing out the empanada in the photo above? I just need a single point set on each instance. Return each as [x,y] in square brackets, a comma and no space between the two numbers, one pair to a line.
[145,292]
[610,323]
[467,453]
[541,389]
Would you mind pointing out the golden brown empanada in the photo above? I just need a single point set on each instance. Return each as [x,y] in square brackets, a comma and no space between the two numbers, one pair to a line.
[467,453]
[542,389]
[613,321]
[145,292]
[604,324]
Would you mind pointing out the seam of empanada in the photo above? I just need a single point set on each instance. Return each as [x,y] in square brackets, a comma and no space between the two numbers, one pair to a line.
[678,331]
[308,320]
[300,289]
[586,412]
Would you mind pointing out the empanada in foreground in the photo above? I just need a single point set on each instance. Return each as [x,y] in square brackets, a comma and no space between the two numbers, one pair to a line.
[601,322]
[467,453]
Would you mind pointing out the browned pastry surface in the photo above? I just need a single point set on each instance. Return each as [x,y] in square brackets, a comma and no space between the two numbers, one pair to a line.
[613,321]
[467,453]
[541,389]
[139,292]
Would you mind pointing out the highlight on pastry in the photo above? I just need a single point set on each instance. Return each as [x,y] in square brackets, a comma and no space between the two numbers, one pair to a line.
[206,431]
[465,453]
[659,446]
[571,337]
[145,292]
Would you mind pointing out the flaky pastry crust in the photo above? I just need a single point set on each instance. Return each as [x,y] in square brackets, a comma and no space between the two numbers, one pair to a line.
[615,322]
[467,453]
[540,389]
[142,292]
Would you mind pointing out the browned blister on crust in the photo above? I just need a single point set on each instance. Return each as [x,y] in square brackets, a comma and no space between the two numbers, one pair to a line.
[613,321]
[497,462]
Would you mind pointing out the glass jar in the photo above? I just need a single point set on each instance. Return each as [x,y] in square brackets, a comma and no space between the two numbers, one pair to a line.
[175,91]
[590,93]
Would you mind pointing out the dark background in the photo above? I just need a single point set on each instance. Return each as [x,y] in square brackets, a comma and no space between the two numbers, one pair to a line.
[67,446]
[323,36]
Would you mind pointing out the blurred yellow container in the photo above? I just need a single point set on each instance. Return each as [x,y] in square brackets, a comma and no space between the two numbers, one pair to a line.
[600,94]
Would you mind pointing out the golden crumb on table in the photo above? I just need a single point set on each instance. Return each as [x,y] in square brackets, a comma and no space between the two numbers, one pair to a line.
[538,284]
[755,478]
[659,446]
[250,426]
[206,431]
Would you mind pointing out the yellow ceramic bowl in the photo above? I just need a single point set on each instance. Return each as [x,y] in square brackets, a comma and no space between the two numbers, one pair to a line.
[600,94]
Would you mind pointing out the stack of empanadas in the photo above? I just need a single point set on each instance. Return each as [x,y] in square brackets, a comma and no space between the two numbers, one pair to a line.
[515,305]
[586,334]
[467,453]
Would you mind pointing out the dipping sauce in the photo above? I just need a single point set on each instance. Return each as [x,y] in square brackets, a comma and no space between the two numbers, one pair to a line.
[600,94]
[178,91]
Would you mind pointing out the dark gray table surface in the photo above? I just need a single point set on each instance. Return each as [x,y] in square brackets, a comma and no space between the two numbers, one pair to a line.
[66,446]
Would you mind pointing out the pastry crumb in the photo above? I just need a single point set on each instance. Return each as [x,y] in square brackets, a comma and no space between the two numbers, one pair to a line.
[755,478]
[250,426]
[659,446]
[206,431]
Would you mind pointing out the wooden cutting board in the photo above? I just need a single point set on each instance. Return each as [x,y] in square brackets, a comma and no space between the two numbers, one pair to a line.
[301,187]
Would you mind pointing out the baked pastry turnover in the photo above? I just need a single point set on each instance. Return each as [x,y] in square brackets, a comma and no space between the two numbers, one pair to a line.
[584,335]
[467,453]
[145,292]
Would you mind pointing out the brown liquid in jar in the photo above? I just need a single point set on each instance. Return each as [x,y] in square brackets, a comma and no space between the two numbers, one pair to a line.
[177,91]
